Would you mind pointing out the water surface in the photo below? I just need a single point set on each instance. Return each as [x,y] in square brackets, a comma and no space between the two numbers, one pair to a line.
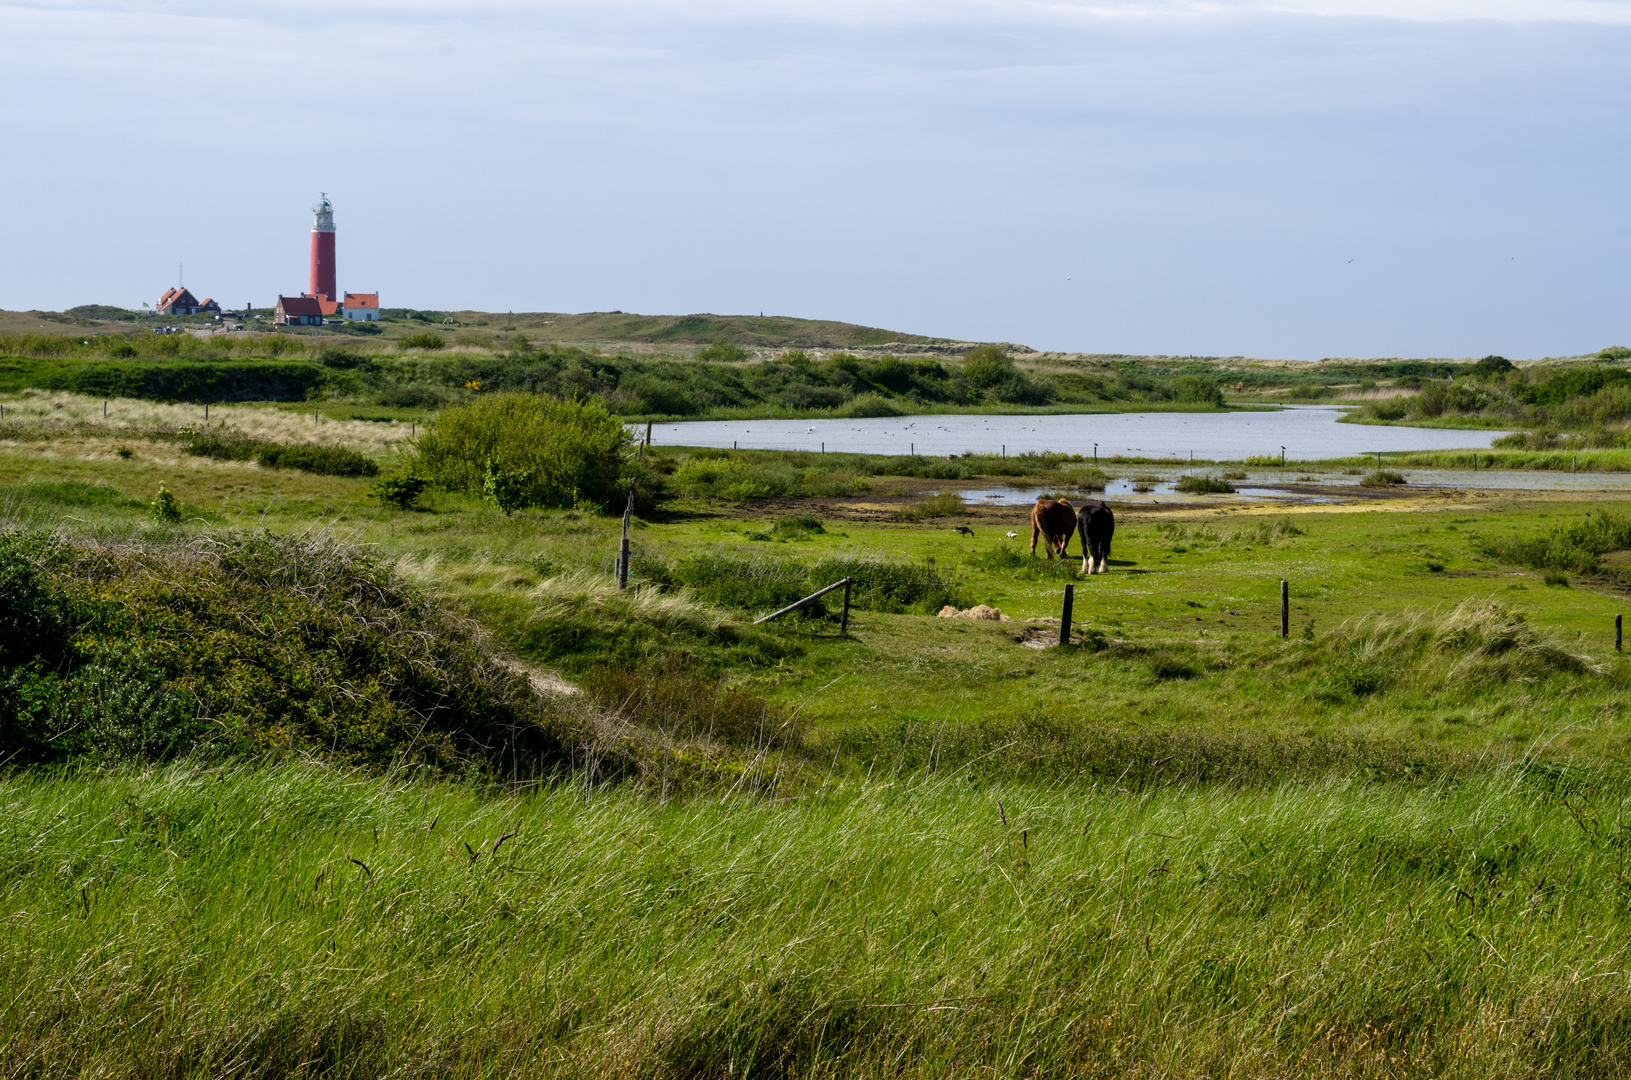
[1306,433]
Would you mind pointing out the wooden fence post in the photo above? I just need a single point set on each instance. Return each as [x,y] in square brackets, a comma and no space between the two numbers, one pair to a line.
[843,620]
[1064,615]
[1618,620]
[1285,609]
[623,548]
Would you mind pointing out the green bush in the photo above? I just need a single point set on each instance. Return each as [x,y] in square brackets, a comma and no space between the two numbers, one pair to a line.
[401,490]
[325,460]
[870,406]
[1382,478]
[1204,484]
[721,351]
[166,508]
[224,444]
[424,339]
[570,451]
[1197,389]
[175,380]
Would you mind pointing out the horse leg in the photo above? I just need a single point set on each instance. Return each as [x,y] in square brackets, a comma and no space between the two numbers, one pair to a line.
[1034,530]
[1087,558]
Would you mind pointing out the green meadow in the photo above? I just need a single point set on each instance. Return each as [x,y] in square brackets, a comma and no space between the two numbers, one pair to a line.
[682,844]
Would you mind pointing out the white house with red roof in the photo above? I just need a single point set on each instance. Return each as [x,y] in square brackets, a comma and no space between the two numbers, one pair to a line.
[360,307]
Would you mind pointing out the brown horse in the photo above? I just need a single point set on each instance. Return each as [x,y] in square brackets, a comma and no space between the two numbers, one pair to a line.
[1054,520]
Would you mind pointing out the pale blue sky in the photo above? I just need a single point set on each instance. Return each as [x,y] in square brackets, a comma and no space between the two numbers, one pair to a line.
[1179,177]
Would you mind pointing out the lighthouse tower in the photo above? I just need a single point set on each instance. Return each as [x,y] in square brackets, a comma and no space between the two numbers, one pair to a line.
[322,251]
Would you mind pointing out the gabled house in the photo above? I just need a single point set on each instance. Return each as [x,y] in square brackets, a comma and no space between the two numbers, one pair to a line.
[361,306]
[209,307]
[298,311]
[177,301]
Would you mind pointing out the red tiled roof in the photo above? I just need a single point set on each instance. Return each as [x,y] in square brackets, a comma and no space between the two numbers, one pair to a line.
[362,299]
[299,305]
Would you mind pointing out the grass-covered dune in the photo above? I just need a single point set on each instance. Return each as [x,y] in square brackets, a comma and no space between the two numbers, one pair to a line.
[304,779]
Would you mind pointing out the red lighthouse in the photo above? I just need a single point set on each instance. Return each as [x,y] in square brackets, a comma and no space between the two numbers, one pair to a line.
[322,251]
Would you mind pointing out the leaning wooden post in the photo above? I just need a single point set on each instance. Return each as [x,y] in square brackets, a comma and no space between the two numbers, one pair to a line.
[1064,615]
[648,432]
[1618,627]
[1285,609]
[843,620]
[623,548]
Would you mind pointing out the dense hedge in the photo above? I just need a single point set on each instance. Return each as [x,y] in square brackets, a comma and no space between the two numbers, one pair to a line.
[248,380]
[250,644]
[227,445]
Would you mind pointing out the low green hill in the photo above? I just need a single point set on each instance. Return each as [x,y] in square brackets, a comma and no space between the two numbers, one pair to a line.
[764,331]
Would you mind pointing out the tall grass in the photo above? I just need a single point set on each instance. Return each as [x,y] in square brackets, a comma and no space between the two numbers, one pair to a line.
[1181,536]
[1576,546]
[39,413]
[299,921]
[1478,641]
[939,504]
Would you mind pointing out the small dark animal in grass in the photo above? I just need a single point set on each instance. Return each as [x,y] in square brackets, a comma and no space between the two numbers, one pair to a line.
[1054,520]
[963,530]
[1097,525]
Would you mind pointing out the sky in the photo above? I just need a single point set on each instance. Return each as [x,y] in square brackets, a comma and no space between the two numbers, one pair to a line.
[1274,178]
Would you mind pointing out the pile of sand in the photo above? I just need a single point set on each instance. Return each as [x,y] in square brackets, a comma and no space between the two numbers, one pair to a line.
[978,611]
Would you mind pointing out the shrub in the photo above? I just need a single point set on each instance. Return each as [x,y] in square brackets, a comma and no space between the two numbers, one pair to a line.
[797,528]
[34,617]
[424,339]
[1197,389]
[570,451]
[401,490]
[224,444]
[987,366]
[1382,478]
[1615,352]
[1204,484]
[411,397]
[166,508]
[721,351]
[870,406]
[248,380]
[508,489]
[325,460]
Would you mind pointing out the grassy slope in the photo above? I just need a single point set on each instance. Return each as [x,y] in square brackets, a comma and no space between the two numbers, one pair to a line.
[298,922]
[887,918]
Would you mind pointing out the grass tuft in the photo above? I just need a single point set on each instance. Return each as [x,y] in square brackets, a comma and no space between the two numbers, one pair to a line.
[940,504]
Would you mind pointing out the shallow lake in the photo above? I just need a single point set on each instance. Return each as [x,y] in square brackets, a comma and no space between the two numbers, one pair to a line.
[1289,485]
[1307,433]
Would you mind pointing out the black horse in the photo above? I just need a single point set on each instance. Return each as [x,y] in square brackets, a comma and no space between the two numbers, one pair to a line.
[1097,525]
